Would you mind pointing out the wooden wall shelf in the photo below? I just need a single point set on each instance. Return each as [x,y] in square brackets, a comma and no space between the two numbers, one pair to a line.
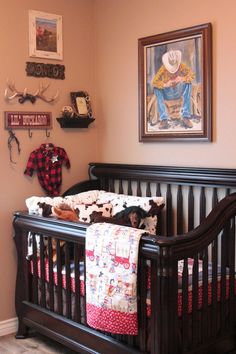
[74,122]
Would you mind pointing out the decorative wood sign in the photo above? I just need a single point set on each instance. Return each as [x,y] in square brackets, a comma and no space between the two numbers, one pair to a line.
[53,71]
[28,120]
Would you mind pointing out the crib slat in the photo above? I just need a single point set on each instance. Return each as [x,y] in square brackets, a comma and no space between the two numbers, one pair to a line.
[190,209]
[174,308]
[35,270]
[156,320]
[204,316]
[179,211]
[195,297]
[68,282]
[148,190]
[202,204]
[232,273]
[59,278]
[223,278]
[42,271]
[129,187]
[214,287]
[77,314]
[185,316]
[158,190]
[160,216]
[139,192]
[51,280]
[84,307]
[169,219]
[121,189]
[111,186]
[214,197]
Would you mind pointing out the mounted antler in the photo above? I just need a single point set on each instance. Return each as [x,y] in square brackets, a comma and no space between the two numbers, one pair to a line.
[40,94]
[24,96]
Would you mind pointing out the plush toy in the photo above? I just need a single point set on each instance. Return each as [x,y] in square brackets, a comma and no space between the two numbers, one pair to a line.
[54,249]
[68,215]
[155,209]
[133,216]
[46,208]
[62,212]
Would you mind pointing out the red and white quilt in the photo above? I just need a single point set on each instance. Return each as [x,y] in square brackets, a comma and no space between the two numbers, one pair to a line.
[111,277]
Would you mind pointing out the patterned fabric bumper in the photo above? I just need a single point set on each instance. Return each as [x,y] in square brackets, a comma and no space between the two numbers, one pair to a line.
[148,302]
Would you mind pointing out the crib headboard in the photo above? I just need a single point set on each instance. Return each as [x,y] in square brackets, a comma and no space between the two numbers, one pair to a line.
[190,192]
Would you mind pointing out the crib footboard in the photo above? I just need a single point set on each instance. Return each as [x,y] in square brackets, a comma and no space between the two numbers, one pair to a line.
[50,288]
[186,287]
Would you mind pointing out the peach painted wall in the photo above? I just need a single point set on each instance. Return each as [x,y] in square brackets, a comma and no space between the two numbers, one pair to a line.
[81,145]
[119,24]
[100,55]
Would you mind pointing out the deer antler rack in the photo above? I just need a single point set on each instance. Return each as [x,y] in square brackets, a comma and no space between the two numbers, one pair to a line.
[11,92]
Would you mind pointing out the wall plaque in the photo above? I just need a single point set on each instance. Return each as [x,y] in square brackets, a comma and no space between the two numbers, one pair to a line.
[28,120]
[53,71]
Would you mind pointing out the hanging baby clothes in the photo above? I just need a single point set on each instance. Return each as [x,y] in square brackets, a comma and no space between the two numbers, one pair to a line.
[47,160]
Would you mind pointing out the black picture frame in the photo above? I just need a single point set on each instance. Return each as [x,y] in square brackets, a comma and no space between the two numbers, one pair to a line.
[82,104]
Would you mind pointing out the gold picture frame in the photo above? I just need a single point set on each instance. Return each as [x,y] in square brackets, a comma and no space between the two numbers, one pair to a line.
[45,35]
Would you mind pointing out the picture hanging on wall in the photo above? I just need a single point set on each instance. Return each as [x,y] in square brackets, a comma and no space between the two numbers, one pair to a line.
[45,35]
[175,85]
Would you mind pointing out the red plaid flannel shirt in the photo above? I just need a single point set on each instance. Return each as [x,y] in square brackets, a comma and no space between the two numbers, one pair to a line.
[47,160]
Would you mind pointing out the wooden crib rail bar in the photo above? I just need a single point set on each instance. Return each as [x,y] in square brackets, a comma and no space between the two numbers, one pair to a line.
[179,175]
[53,227]
[68,231]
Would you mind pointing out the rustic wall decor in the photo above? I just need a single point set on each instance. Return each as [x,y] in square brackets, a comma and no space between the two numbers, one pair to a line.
[82,104]
[11,92]
[29,120]
[53,71]
[26,120]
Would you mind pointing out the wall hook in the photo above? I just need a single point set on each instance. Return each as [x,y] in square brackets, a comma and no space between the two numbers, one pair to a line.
[30,133]
[47,133]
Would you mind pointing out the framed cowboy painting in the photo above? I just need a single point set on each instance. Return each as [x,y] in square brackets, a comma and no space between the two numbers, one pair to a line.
[175,85]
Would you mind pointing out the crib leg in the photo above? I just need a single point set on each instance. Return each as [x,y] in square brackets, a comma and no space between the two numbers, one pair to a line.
[22,332]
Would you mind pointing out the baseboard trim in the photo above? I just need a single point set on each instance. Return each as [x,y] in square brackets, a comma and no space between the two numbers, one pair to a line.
[8,327]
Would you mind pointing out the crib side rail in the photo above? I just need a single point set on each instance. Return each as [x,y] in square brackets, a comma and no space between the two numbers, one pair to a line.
[198,285]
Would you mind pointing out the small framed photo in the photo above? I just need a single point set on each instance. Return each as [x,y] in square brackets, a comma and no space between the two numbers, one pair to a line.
[175,85]
[45,35]
[82,104]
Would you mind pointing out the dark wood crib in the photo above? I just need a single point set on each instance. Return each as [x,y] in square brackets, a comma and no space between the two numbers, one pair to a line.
[187,310]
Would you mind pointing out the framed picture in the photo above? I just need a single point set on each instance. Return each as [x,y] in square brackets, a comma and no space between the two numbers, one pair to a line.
[82,104]
[45,35]
[175,85]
